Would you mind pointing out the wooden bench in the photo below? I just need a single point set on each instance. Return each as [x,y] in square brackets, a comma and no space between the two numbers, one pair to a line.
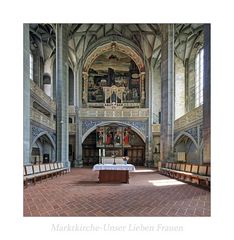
[187,172]
[40,171]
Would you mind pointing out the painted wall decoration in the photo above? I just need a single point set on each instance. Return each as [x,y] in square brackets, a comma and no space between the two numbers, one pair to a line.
[35,131]
[113,68]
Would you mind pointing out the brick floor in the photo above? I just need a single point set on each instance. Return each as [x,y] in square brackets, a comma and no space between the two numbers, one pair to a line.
[148,194]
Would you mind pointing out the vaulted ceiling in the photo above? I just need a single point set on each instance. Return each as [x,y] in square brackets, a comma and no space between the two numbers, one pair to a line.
[146,36]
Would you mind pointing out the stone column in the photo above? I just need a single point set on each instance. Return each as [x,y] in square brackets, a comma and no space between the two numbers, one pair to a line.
[62,137]
[167,93]
[79,160]
[78,101]
[206,95]
[149,139]
[85,90]
[142,88]
[26,103]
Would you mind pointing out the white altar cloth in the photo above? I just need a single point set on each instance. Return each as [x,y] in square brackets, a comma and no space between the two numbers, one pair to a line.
[129,167]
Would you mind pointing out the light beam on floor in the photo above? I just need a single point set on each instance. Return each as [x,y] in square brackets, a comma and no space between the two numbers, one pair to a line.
[165,182]
[143,170]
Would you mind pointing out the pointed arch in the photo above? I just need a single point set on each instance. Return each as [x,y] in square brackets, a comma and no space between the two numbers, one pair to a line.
[188,135]
[41,134]
[111,122]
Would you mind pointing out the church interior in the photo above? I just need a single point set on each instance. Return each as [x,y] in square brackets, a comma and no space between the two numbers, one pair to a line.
[116,119]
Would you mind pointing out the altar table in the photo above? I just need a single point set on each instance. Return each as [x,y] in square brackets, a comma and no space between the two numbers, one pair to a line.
[113,173]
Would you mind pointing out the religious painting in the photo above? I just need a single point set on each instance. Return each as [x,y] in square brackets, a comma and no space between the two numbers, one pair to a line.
[100,137]
[126,137]
[109,137]
[114,68]
[118,140]
[113,137]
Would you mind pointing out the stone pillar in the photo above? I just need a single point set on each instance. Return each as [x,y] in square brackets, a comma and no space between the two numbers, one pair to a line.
[149,139]
[62,138]
[167,93]
[206,95]
[79,160]
[77,103]
[142,88]
[26,103]
[85,86]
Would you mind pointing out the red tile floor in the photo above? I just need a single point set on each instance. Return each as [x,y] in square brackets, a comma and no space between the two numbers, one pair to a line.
[148,194]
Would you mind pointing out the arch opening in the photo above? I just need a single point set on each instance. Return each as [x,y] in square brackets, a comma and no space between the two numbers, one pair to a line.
[43,150]
[186,150]
[121,140]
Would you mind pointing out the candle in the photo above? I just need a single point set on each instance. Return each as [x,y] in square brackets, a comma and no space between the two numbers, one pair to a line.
[100,154]
[104,152]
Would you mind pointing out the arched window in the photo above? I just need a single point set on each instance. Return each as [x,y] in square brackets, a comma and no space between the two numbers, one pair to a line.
[199,66]
[31,66]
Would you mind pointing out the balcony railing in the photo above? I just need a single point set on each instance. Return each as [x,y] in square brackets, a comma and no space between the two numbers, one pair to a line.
[189,119]
[114,113]
[42,96]
[46,121]
[42,119]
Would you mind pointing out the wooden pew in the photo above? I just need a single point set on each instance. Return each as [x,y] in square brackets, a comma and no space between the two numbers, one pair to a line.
[187,172]
[34,172]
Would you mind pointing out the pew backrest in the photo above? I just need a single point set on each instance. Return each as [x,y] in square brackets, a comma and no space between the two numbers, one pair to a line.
[194,169]
[202,170]
[36,169]
[29,169]
[188,168]
[178,166]
[182,167]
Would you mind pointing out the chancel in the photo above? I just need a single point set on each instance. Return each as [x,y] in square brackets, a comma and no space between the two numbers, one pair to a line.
[117,115]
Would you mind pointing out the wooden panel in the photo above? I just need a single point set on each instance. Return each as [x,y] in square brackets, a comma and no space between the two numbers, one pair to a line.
[90,155]
[113,176]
